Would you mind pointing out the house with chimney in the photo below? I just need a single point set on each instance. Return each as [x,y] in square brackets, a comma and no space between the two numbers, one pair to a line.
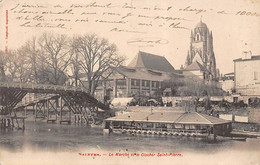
[247,74]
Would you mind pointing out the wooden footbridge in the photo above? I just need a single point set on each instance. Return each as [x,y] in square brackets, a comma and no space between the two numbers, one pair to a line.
[52,101]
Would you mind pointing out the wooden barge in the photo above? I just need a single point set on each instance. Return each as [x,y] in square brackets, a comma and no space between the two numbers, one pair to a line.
[169,123]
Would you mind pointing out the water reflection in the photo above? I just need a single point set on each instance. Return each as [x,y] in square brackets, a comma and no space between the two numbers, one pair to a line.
[55,137]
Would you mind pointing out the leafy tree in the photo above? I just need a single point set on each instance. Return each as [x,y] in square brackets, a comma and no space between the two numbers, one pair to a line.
[174,84]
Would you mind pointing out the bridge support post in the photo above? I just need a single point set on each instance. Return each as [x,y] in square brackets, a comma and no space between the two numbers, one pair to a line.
[70,115]
[61,107]
[8,123]
[47,104]
[65,115]
[23,124]
[52,110]
[4,123]
[77,119]
[35,113]
[44,110]
[81,119]
[12,123]
[25,111]
[40,110]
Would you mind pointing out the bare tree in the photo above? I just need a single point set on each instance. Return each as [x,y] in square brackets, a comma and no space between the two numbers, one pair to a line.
[75,62]
[55,55]
[17,66]
[10,65]
[97,57]
[2,66]
[31,51]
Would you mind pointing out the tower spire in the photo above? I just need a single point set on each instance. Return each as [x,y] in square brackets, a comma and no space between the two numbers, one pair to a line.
[201,48]
[191,36]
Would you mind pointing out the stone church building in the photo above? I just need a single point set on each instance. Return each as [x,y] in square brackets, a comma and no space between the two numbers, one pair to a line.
[200,62]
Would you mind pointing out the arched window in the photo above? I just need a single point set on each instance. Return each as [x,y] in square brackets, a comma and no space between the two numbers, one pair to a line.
[198,37]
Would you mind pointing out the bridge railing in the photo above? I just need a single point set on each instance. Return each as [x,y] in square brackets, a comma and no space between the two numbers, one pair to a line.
[42,86]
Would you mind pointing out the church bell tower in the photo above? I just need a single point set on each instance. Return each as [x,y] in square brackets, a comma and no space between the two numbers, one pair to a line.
[201,50]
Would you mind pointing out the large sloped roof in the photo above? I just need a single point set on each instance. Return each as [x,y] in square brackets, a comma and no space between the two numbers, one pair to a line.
[195,66]
[143,74]
[178,117]
[198,118]
[151,61]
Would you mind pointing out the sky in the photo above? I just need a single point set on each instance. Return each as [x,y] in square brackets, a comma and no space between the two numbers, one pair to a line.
[157,27]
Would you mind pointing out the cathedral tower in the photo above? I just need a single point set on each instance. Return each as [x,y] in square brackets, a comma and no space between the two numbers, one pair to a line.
[201,50]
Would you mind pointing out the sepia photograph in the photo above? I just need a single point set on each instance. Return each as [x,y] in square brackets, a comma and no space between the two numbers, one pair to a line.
[130,82]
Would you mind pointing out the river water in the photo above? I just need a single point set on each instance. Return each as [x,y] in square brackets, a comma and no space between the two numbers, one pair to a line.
[40,137]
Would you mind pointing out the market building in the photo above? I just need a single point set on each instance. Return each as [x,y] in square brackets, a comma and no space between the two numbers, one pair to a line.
[142,78]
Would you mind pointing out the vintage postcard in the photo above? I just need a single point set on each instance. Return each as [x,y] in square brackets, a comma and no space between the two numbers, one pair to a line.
[130,82]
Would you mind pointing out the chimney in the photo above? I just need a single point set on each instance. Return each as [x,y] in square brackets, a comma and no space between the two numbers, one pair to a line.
[246,55]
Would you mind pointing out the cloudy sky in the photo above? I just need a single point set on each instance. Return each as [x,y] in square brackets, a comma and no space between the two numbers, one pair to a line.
[158,27]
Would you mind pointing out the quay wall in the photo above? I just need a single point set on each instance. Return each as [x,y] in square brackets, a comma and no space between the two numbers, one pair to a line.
[148,108]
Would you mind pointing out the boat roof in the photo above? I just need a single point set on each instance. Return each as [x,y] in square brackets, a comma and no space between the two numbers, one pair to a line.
[179,117]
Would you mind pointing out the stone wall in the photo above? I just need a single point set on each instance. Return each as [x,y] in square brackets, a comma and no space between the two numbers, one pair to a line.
[254,115]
